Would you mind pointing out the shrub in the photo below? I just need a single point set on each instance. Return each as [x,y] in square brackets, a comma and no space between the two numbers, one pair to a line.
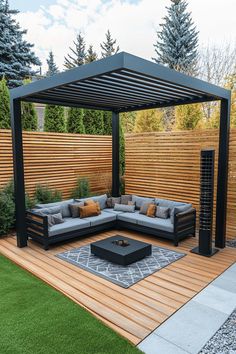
[44,194]
[82,189]
[7,213]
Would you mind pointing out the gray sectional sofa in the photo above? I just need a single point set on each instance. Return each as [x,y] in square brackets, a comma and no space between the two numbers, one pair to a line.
[180,224]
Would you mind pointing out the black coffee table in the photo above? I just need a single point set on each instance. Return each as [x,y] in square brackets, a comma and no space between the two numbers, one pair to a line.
[121,250]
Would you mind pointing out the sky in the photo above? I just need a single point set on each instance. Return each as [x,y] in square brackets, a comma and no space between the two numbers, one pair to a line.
[53,24]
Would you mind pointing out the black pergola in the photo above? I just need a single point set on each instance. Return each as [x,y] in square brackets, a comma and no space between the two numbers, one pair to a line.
[120,83]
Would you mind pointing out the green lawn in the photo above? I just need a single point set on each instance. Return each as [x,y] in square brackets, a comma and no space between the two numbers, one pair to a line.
[34,318]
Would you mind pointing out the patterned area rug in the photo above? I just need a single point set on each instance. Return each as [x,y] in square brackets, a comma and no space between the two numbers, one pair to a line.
[124,276]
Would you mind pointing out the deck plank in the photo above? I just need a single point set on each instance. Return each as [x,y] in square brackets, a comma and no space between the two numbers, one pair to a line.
[133,312]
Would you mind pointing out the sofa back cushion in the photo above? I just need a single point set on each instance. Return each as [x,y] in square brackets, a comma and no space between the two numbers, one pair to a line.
[140,200]
[125,208]
[64,207]
[102,199]
[168,203]
[48,211]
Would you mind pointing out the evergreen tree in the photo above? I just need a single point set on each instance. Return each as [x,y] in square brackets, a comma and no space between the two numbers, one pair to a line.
[122,151]
[188,116]
[16,55]
[54,119]
[28,114]
[177,42]
[5,117]
[52,67]
[108,47]
[91,55]
[107,120]
[78,54]
[93,122]
[128,121]
[75,121]
[149,121]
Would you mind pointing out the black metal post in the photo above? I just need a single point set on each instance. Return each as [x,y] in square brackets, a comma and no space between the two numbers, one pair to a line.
[222,184]
[115,155]
[18,164]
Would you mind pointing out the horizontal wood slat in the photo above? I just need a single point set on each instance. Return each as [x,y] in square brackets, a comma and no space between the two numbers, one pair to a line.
[167,165]
[58,159]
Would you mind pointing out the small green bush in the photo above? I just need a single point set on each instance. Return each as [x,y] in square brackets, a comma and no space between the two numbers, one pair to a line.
[7,212]
[44,194]
[82,189]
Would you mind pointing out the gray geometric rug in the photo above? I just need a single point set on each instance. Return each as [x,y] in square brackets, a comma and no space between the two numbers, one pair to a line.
[124,276]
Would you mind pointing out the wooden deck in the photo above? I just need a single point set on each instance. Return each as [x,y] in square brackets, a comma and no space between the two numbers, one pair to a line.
[133,312]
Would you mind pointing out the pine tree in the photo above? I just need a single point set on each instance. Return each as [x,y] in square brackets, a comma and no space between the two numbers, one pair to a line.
[93,122]
[91,55]
[52,67]
[108,47]
[107,120]
[75,121]
[5,117]
[149,121]
[16,55]
[177,42]
[188,116]
[78,54]
[54,119]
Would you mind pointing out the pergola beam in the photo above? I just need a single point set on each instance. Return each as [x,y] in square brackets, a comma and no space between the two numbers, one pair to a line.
[222,183]
[18,165]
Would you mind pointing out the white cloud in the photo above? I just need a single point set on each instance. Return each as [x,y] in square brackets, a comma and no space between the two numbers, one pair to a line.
[132,24]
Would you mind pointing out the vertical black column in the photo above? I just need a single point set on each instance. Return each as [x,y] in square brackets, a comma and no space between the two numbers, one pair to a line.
[115,155]
[18,164]
[222,184]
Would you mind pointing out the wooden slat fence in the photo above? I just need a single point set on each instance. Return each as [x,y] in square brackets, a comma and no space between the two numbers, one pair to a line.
[58,159]
[157,164]
[167,165]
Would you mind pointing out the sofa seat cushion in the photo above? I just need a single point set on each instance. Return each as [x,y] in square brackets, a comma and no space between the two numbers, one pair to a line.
[112,211]
[140,200]
[101,219]
[129,217]
[70,224]
[155,223]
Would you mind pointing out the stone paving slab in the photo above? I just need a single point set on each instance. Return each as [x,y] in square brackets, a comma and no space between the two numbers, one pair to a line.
[191,327]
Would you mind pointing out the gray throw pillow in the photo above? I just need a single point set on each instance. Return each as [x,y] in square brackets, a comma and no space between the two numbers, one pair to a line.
[125,198]
[74,209]
[140,200]
[54,219]
[179,209]
[162,212]
[112,201]
[125,208]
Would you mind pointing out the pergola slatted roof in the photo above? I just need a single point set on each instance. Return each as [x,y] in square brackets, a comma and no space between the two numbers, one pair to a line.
[120,83]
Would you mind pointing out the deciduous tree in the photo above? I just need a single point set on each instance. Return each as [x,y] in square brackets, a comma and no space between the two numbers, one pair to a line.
[150,120]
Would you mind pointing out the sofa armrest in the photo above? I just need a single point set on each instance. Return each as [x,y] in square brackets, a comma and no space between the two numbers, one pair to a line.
[37,225]
[185,220]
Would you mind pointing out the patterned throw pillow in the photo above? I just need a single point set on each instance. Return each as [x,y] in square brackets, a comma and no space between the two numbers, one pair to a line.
[125,198]
[111,201]
[54,219]
[74,209]
[162,212]
[89,210]
[151,210]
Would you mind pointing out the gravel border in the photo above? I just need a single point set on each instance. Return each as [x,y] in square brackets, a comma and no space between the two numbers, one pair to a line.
[224,340]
